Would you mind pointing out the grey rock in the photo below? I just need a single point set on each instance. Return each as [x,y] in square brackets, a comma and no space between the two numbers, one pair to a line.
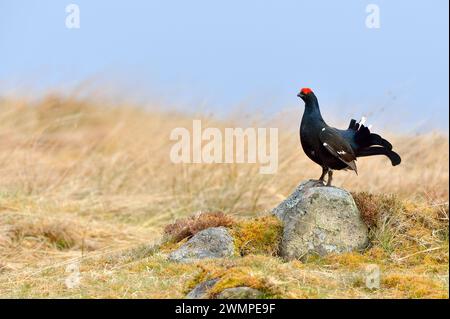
[240,293]
[201,290]
[320,220]
[214,242]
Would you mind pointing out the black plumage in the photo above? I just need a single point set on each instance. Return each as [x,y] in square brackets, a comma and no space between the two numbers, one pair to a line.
[335,149]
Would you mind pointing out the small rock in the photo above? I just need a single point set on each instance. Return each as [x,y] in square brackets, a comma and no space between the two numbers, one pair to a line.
[214,242]
[201,290]
[240,293]
[372,276]
[320,220]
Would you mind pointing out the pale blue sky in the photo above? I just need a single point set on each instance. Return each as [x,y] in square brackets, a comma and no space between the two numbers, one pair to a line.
[224,53]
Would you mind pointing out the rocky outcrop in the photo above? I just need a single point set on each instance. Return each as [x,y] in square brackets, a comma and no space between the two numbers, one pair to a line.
[214,242]
[320,220]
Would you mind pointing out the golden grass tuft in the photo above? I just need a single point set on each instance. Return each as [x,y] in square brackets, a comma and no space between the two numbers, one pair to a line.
[406,230]
[373,206]
[60,234]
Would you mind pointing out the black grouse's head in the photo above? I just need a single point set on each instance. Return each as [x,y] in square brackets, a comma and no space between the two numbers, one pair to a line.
[305,94]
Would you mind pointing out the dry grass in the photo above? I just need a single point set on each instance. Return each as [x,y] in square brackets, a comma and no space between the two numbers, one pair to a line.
[187,227]
[85,183]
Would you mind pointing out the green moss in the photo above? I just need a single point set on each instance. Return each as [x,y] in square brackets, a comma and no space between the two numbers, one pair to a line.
[261,235]
[237,277]
[171,245]
[411,286]
[349,260]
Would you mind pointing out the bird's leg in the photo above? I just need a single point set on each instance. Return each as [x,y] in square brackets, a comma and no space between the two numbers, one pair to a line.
[330,177]
[324,172]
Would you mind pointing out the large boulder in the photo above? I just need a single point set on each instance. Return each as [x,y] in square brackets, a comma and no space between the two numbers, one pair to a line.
[214,242]
[320,220]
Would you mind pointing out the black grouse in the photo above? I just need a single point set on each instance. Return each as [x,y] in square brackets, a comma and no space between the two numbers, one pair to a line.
[335,149]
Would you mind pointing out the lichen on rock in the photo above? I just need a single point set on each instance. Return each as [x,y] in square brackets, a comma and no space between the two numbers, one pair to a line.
[200,291]
[320,220]
[214,242]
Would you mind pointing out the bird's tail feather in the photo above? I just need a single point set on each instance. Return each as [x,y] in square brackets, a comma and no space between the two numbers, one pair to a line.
[370,151]
[376,139]
[364,138]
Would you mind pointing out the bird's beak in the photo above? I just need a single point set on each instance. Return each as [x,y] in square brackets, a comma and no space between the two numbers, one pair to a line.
[300,94]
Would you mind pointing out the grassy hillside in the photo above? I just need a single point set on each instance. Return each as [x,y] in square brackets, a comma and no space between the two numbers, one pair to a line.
[91,185]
